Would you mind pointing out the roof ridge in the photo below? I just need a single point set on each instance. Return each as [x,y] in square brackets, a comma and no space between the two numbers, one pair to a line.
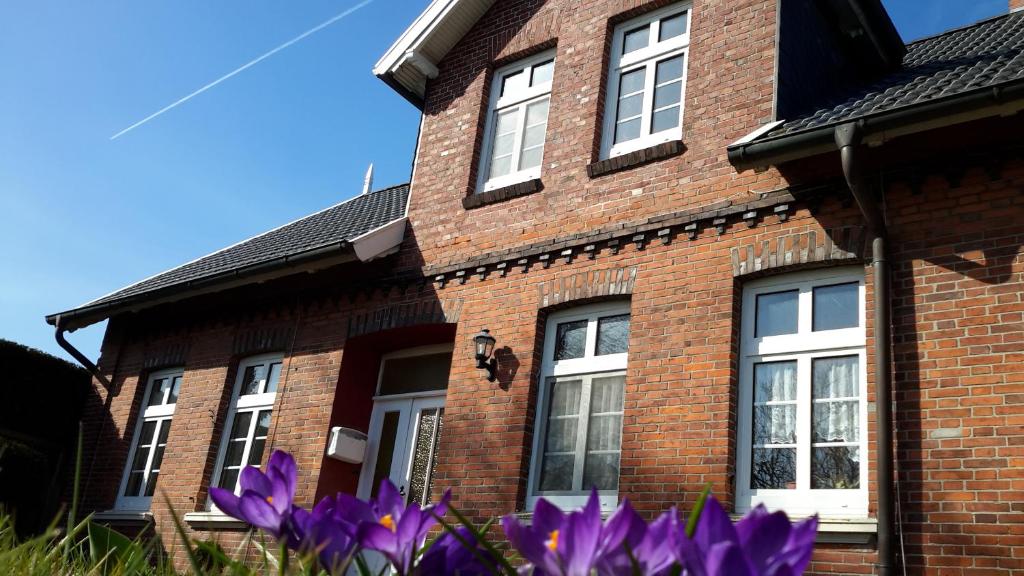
[239,243]
[961,28]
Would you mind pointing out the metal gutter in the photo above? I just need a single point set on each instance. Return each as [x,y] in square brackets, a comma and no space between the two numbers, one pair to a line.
[850,144]
[1003,99]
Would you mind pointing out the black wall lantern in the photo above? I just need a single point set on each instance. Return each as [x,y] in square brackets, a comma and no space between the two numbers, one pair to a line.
[484,349]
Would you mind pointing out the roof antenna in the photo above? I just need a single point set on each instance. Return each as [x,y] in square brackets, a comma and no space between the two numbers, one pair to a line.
[368,179]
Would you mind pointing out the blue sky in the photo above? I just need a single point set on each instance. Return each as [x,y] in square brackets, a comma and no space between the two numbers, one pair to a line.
[84,215]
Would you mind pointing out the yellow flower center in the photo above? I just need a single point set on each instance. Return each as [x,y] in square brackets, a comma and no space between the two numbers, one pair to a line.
[270,499]
[552,542]
[388,522]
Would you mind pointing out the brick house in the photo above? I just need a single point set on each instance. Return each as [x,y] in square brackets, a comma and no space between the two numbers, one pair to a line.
[709,239]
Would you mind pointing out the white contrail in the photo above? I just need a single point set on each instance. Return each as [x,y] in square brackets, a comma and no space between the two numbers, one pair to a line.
[249,64]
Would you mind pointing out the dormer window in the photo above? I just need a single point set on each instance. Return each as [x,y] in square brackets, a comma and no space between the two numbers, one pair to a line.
[517,119]
[647,81]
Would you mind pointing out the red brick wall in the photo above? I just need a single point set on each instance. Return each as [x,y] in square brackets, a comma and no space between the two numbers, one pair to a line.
[957,278]
[728,94]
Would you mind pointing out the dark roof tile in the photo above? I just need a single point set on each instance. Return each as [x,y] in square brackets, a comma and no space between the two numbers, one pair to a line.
[339,223]
[978,56]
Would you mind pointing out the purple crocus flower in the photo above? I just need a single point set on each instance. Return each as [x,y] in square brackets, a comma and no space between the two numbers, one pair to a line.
[462,555]
[329,529]
[266,499]
[396,530]
[761,544]
[577,543]
[654,554]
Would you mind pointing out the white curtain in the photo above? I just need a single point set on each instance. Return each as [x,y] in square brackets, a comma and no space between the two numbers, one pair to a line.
[775,382]
[836,420]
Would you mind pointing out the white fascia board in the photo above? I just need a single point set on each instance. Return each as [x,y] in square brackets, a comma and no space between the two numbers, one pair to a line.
[413,36]
[411,60]
[380,241]
[757,133]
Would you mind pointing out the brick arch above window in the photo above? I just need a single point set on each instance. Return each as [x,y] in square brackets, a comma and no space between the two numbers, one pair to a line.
[812,248]
[418,313]
[595,284]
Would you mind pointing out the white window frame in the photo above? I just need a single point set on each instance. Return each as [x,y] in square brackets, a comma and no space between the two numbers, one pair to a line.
[521,100]
[588,366]
[805,346]
[254,403]
[644,58]
[162,414]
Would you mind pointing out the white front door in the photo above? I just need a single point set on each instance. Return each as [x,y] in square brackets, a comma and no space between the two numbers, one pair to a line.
[402,445]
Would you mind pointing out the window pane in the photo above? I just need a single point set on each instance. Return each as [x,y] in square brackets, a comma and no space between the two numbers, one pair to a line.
[156,392]
[835,467]
[666,119]
[561,434]
[256,452]
[148,430]
[175,389]
[251,380]
[636,39]
[570,340]
[228,478]
[275,375]
[837,377]
[672,26]
[565,397]
[669,70]
[233,457]
[630,106]
[533,138]
[836,306]
[775,424]
[833,419]
[563,416]
[667,95]
[140,457]
[632,82]
[776,313]
[427,433]
[501,166]
[409,374]
[612,334]
[601,471]
[542,73]
[773,468]
[774,381]
[512,82]
[530,158]
[606,394]
[259,438]
[385,450]
[556,472]
[134,484]
[505,134]
[151,484]
[628,130]
[262,424]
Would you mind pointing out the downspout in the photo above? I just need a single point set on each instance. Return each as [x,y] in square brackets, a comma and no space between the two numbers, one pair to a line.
[848,140]
[58,334]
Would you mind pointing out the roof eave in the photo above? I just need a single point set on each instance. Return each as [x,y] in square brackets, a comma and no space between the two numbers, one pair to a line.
[415,55]
[1004,99]
[310,260]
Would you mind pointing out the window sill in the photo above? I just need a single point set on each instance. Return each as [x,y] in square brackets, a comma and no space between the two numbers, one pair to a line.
[475,200]
[841,530]
[635,158]
[124,516]
[213,521]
